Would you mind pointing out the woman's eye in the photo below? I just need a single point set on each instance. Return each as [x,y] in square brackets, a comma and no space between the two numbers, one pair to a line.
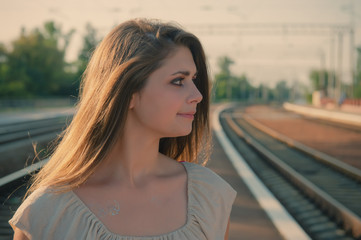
[178,81]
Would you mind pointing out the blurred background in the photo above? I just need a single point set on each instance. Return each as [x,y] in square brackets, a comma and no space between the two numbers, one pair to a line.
[258,50]
[293,67]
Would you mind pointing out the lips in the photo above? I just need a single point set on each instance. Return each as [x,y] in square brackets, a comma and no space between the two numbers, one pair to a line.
[189,115]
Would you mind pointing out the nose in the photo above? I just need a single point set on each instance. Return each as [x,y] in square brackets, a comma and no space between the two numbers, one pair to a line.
[195,95]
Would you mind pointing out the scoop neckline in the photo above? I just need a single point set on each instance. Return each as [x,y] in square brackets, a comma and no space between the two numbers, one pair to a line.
[184,164]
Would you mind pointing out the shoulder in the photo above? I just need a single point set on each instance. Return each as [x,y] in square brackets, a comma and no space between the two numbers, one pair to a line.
[39,209]
[210,200]
[33,202]
[40,199]
[204,184]
[200,175]
[44,198]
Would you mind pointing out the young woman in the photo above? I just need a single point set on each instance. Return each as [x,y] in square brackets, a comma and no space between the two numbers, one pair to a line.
[126,167]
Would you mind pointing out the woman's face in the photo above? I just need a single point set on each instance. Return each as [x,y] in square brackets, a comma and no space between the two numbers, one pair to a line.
[167,103]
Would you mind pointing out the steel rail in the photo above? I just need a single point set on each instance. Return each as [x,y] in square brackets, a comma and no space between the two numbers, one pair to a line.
[351,221]
[323,157]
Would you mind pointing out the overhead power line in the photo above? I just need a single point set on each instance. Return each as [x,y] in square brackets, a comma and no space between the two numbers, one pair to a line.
[334,31]
[269,28]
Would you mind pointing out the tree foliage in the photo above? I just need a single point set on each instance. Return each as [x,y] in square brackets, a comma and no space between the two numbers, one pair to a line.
[228,86]
[35,64]
[323,80]
[357,86]
[90,41]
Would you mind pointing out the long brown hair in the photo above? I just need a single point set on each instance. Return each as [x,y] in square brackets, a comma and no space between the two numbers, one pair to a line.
[119,67]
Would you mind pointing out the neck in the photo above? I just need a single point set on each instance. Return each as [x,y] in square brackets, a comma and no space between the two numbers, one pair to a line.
[137,158]
[134,158]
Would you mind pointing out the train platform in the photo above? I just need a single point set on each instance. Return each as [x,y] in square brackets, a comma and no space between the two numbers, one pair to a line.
[339,141]
[350,116]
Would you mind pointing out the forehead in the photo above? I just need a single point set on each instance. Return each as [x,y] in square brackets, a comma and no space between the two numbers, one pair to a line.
[180,59]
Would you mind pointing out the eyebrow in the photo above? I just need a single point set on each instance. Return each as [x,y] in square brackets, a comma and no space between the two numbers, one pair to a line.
[186,73]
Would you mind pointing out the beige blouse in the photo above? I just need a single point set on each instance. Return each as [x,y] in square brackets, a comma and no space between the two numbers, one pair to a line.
[45,215]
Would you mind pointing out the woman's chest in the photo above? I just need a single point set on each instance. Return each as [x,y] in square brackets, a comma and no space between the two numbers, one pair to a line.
[153,210]
[146,215]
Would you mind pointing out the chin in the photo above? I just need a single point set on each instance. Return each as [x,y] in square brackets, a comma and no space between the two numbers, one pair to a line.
[181,133]
[185,133]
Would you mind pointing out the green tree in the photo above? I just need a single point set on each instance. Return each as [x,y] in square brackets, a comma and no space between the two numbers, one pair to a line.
[4,68]
[223,79]
[9,88]
[241,88]
[357,86]
[36,65]
[90,41]
[319,79]
[282,91]
[229,86]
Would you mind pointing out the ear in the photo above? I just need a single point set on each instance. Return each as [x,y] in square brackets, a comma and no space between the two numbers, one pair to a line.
[133,101]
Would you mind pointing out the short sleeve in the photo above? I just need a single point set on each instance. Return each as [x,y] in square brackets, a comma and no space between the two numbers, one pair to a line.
[47,215]
[211,198]
[31,215]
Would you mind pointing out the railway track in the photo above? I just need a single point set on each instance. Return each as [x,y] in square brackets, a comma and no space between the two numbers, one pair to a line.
[11,132]
[17,141]
[12,190]
[13,184]
[296,179]
[323,198]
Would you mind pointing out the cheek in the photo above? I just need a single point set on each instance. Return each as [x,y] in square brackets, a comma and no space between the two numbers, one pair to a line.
[159,106]
[165,99]
[166,108]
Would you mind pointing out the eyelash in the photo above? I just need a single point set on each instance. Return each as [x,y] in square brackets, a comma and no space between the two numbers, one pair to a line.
[180,80]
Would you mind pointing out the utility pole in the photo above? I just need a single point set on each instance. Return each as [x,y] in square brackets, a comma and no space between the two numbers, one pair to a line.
[322,74]
[339,74]
[229,89]
[352,47]
[315,29]
[332,74]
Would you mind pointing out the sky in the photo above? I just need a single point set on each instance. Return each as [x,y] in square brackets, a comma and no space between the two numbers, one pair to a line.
[258,35]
